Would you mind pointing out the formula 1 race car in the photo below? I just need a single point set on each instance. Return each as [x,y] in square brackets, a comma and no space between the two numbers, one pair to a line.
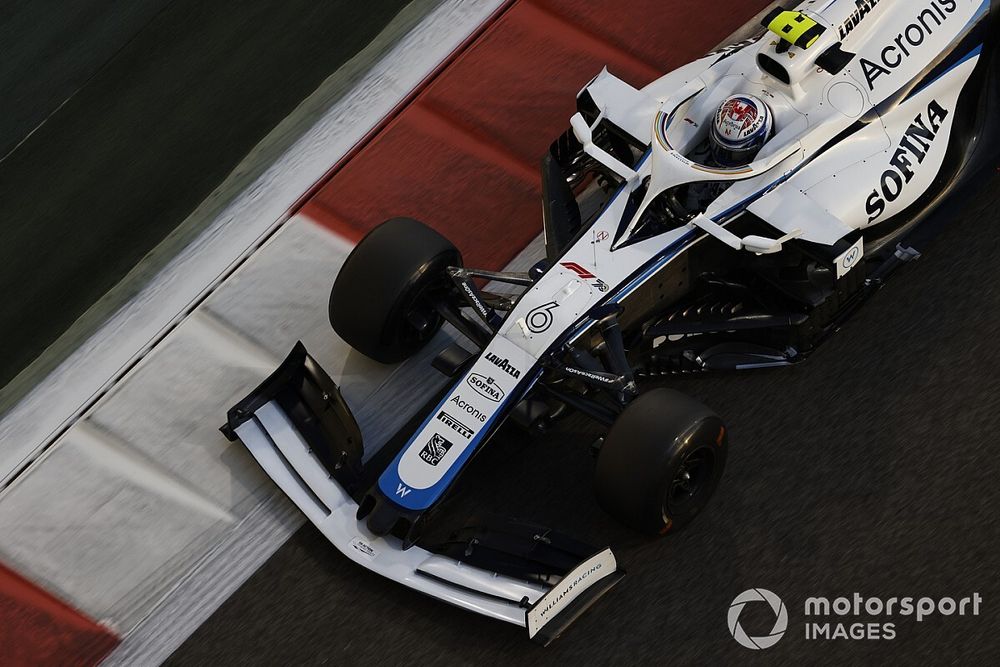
[731,215]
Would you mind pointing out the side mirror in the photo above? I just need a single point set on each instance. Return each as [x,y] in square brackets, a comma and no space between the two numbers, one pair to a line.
[764,246]
[761,246]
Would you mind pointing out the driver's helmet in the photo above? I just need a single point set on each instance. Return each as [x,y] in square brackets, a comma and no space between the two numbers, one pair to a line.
[741,128]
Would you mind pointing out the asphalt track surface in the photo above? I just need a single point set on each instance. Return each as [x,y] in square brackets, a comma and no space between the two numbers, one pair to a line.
[871,468]
[117,118]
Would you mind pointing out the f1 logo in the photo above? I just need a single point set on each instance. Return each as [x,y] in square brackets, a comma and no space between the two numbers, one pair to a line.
[402,491]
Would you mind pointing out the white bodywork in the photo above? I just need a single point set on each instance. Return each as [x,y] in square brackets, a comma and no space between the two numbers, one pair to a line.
[802,192]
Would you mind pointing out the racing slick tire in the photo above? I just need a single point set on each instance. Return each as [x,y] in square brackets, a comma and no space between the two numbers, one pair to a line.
[381,303]
[661,461]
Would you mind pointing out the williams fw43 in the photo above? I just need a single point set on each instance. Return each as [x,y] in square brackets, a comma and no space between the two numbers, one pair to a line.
[731,215]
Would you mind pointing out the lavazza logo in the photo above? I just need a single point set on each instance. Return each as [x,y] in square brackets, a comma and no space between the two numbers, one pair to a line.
[852,618]
[503,364]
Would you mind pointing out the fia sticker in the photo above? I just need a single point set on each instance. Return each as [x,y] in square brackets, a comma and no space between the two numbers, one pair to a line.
[362,547]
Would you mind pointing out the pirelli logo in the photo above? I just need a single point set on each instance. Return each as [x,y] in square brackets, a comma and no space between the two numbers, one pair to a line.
[455,425]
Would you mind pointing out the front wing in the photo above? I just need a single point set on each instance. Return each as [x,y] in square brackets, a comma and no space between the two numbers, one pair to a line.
[298,428]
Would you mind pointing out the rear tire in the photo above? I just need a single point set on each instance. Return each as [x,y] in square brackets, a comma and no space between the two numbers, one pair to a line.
[382,299]
[661,462]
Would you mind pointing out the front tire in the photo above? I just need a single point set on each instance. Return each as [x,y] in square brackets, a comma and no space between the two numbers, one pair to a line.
[661,462]
[382,303]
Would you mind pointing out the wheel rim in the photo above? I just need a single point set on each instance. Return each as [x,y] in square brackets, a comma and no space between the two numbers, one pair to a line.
[692,482]
[420,308]
[420,305]
[411,336]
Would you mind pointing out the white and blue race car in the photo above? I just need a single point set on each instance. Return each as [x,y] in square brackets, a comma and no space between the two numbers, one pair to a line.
[731,215]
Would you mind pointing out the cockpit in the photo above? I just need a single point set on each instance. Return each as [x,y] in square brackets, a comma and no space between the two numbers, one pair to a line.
[715,139]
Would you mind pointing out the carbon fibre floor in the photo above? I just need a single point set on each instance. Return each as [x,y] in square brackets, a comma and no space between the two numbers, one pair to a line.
[870,468]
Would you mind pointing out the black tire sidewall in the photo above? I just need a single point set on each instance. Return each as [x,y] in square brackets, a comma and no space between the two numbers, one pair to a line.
[643,452]
[380,278]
